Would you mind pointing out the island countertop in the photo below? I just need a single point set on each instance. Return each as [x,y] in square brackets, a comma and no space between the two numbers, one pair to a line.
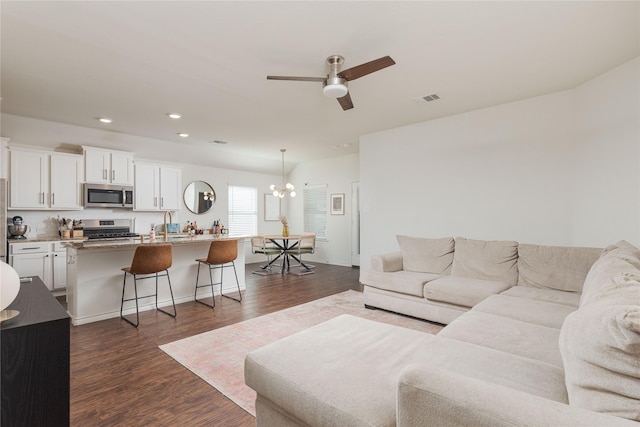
[179,239]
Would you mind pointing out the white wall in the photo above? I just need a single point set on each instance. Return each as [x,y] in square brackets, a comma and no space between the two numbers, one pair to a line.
[606,187]
[338,174]
[530,171]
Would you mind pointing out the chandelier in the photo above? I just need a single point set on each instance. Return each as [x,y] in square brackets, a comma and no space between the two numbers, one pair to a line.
[286,188]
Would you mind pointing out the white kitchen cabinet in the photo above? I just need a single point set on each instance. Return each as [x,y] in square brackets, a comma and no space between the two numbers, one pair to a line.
[45,180]
[4,158]
[47,260]
[108,166]
[157,187]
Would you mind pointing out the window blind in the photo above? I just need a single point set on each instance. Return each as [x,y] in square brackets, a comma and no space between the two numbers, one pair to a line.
[243,211]
[315,210]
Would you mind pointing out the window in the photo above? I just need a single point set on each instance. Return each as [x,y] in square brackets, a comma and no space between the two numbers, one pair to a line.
[243,211]
[315,210]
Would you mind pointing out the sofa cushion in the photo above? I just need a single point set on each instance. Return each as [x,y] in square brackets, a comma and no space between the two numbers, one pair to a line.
[538,312]
[426,255]
[462,290]
[507,335]
[405,282]
[614,277]
[555,267]
[600,347]
[486,260]
[549,295]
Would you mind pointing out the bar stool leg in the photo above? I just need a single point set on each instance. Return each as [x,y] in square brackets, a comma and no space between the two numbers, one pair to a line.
[237,283]
[175,313]
[195,296]
[135,290]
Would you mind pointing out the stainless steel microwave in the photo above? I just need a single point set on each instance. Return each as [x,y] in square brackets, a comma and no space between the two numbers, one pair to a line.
[108,196]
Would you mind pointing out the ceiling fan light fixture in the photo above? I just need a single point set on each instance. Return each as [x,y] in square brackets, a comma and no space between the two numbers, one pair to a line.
[335,87]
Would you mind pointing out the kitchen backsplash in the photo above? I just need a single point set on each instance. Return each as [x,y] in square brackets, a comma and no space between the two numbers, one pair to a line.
[45,223]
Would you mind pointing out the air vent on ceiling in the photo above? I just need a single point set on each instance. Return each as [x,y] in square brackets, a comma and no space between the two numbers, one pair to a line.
[427,98]
[432,97]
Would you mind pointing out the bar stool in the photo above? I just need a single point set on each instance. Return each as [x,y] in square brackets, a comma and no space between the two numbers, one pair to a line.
[148,262]
[222,254]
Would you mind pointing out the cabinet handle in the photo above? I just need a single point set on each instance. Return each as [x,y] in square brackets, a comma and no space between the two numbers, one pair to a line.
[113,175]
[162,202]
[155,201]
[53,199]
[104,174]
[29,249]
[42,198]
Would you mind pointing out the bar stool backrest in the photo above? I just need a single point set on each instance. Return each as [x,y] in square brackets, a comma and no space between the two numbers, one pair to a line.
[222,251]
[149,259]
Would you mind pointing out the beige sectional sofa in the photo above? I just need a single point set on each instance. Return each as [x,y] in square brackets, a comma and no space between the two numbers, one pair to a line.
[430,280]
[546,351]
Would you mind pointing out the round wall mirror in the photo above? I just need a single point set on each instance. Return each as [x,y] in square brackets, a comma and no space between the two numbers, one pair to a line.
[199,197]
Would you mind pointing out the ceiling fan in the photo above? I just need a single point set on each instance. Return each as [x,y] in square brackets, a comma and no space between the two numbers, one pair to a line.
[334,85]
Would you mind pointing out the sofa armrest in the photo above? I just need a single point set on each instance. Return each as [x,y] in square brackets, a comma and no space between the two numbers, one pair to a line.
[442,397]
[387,262]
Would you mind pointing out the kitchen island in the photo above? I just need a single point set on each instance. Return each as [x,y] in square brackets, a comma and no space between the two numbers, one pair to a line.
[94,275]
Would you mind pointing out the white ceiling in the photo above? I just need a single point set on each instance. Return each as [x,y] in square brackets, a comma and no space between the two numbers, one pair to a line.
[71,62]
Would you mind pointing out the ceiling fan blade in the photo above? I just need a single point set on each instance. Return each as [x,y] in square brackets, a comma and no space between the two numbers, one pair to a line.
[345,102]
[366,68]
[298,79]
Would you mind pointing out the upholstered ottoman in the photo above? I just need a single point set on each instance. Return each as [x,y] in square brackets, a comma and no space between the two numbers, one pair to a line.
[344,372]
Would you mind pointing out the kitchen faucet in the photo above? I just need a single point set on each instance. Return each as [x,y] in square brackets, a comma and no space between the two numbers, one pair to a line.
[166,229]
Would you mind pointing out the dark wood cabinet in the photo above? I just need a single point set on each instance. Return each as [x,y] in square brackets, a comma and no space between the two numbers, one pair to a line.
[34,360]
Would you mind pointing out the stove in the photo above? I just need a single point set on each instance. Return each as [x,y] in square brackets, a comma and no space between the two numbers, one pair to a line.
[108,229]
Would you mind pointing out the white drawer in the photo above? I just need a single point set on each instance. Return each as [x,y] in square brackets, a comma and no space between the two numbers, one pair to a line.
[28,248]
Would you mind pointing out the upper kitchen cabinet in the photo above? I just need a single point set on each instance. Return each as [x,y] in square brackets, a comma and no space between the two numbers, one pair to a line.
[4,158]
[45,180]
[104,166]
[157,187]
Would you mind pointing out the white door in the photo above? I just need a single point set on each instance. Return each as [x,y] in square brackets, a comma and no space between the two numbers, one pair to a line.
[59,269]
[121,168]
[355,223]
[170,188]
[37,264]
[29,179]
[66,176]
[96,166]
[147,187]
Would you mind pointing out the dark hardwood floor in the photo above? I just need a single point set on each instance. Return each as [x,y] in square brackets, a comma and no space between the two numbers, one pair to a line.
[119,376]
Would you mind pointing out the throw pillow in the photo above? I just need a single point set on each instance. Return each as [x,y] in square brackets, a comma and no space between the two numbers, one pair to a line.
[426,255]
[600,348]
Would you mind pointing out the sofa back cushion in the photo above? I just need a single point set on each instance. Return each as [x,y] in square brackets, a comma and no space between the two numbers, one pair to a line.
[555,267]
[487,260]
[614,276]
[426,255]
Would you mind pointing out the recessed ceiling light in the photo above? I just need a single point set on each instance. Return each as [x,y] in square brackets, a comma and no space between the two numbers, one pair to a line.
[174,115]
[183,134]
[105,119]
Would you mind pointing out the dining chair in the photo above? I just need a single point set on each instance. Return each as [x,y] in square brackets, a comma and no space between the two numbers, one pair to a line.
[222,254]
[261,245]
[306,245]
[149,261]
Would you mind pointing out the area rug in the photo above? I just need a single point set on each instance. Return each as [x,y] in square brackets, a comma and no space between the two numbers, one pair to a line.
[218,356]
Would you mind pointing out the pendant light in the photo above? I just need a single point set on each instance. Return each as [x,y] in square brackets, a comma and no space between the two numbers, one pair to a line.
[286,188]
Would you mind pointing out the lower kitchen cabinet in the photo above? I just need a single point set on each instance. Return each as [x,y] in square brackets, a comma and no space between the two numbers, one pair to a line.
[47,260]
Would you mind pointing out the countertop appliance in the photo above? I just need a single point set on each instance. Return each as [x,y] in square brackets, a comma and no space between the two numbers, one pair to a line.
[17,229]
[108,196]
[108,229]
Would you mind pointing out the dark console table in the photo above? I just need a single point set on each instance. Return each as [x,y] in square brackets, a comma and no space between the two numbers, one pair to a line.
[34,360]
